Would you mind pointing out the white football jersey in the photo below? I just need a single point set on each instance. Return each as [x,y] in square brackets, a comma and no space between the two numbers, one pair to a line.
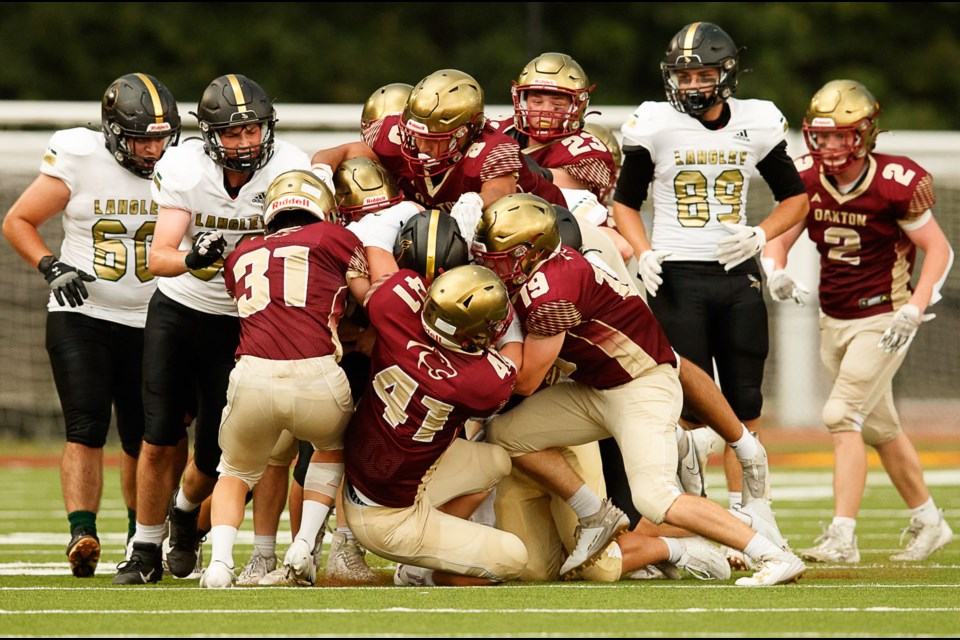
[701,177]
[187,178]
[107,227]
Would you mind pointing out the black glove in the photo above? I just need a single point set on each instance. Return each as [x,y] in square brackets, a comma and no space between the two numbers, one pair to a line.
[208,247]
[65,281]
[536,168]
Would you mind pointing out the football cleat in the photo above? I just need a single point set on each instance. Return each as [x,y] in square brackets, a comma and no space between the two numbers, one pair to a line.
[83,552]
[257,567]
[924,539]
[649,572]
[738,560]
[703,560]
[298,568]
[781,568]
[408,575]
[689,470]
[834,546]
[218,576]
[318,548]
[758,514]
[756,476]
[593,535]
[346,561]
[184,540]
[144,566]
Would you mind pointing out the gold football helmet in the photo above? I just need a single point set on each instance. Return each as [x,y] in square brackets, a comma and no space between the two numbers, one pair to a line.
[700,45]
[385,101]
[845,107]
[467,308]
[443,115]
[299,190]
[363,186]
[551,73]
[610,141]
[515,234]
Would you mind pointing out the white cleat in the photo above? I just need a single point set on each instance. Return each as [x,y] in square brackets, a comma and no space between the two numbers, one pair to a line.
[756,476]
[257,567]
[924,539]
[649,572]
[593,535]
[689,470]
[758,514]
[407,575]
[703,560]
[781,568]
[217,576]
[834,546]
[347,561]
[297,570]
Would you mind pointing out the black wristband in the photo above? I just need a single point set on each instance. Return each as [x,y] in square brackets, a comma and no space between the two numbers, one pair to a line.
[45,263]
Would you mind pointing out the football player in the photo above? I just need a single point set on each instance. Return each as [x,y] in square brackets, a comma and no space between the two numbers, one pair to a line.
[386,101]
[100,286]
[441,148]
[873,211]
[410,481]
[290,286]
[584,323]
[210,196]
[700,149]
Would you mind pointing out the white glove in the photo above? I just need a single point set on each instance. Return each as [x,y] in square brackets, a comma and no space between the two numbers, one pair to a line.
[742,244]
[902,328]
[650,269]
[467,211]
[782,287]
[325,173]
[381,229]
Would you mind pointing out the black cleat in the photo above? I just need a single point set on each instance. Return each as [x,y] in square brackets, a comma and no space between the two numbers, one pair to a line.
[83,552]
[143,567]
[184,540]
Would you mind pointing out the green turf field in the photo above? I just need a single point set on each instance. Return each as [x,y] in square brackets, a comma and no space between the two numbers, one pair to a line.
[38,597]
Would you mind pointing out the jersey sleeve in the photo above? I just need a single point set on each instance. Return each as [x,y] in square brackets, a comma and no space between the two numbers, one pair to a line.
[772,127]
[922,201]
[503,159]
[640,128]
[63,158]
[176,174]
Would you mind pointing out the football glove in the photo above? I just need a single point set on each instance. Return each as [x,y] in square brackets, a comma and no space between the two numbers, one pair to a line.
[650,269]
[782,288]
[208,247]
[467,211]
[325,173]
[902,328]
[742,244]
[65,281]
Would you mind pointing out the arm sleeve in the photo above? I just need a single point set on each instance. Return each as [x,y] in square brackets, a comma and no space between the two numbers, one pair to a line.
[778,171]
[635,176]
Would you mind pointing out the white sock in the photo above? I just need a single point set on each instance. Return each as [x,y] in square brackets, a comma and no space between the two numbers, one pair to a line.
[314,515]
[735,498]
[927,513]
[222,538]
[183,504]
[759,547]
[266,546]
[676,548]
[746,446]
[584,502]
[152,533]
[846,526]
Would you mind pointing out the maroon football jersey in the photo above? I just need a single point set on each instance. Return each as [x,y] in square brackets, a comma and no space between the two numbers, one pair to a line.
[418,397]
[866,259]
[490,156]
[612,336]
[580,154]
[291,288]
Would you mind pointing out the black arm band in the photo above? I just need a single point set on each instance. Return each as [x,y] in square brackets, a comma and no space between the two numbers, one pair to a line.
[779,172]
[635,176]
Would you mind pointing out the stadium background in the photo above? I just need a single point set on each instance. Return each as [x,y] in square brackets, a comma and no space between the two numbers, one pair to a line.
[320,61]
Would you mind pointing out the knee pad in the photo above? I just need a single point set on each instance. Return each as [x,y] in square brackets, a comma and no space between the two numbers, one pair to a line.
[89,434]
[838,416]
[324,478]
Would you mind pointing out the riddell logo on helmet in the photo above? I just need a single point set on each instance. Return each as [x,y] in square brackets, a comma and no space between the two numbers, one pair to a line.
[544,81]
[375,199]
[419,127]
[292,201]
[158,127]
[823,122]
